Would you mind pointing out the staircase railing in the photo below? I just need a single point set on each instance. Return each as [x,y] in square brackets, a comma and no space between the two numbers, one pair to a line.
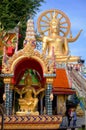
[78,78]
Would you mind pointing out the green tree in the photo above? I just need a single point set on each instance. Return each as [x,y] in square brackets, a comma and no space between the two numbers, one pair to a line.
[14,11]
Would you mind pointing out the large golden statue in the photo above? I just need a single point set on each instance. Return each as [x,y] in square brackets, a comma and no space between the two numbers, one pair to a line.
[28,103]
[54,26]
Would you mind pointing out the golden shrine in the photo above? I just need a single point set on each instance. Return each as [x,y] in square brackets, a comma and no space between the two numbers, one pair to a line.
[36,83]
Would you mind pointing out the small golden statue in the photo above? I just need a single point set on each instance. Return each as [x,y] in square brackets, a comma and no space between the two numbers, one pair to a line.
[28,103]
[54,35]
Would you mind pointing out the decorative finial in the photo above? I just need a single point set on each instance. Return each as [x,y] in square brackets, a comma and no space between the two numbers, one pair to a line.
[54,15]
[54,18]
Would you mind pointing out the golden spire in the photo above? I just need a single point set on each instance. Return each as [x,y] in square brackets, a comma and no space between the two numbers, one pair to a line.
[54,18]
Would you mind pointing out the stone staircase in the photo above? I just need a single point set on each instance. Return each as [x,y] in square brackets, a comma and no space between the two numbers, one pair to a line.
[78,81]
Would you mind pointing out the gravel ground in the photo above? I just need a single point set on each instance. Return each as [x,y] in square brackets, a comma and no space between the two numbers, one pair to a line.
[79,123]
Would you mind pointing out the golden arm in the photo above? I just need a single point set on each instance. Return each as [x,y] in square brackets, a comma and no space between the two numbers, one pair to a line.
[66,46]
[44,45]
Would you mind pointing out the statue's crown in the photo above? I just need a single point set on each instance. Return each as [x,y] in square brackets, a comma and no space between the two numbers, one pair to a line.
[55,19]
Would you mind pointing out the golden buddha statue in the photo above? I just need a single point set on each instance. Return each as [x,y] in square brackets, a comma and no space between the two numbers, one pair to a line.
[28,103]
[58,44]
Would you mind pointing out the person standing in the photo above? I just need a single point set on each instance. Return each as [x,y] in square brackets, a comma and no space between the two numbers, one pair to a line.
[74,117]
[69,115]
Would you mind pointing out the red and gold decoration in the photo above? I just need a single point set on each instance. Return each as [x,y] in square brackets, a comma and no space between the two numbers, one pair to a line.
[34,79]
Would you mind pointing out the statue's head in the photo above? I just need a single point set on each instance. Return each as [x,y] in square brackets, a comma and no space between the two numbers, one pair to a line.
[54,24]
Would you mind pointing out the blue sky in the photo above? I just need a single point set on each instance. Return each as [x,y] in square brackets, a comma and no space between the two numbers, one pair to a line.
[76,11]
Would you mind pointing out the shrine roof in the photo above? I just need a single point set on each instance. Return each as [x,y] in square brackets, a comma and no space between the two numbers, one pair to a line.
[67,91]
[61,82]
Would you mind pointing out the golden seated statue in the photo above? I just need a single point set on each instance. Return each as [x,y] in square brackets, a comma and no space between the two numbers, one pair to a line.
[28,104]
[56,44]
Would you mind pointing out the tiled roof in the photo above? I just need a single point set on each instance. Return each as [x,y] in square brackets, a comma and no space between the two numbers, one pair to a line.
[61,80]
[61,83]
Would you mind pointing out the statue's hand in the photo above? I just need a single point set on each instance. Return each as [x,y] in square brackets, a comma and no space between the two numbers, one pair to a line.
[71,39]
[40,90]
[81,30]
[17,90]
